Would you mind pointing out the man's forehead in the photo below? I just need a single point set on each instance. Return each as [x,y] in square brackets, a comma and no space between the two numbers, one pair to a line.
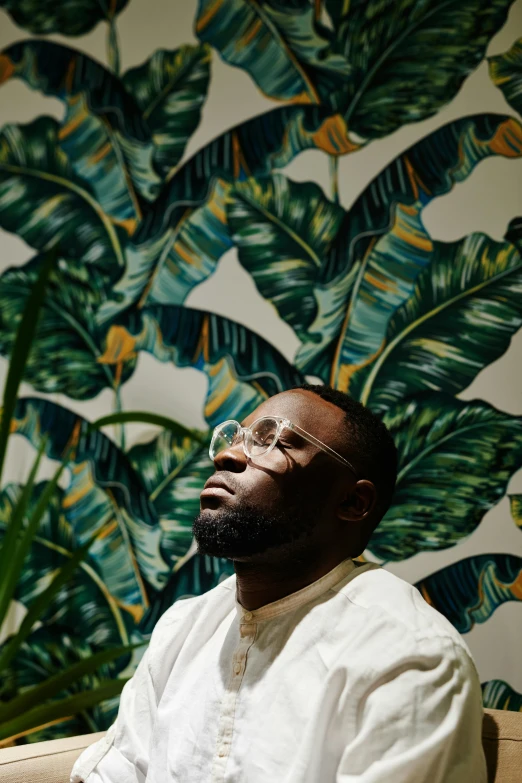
[303,408]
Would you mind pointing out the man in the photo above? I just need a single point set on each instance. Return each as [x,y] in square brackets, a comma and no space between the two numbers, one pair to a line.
[304,667]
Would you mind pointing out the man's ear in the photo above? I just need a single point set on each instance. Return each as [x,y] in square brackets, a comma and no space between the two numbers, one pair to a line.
[359,502]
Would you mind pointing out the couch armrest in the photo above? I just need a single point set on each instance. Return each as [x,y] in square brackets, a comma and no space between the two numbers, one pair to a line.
[43,762]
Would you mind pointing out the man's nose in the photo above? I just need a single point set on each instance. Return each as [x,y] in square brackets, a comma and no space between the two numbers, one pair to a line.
[232,458]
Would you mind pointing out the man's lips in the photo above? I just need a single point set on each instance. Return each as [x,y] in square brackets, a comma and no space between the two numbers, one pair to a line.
[216,486]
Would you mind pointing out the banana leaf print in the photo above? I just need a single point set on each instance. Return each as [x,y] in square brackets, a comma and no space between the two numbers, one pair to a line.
[68,17]
[498,695]
[382,66]
[469,591]
[70,341]
[104,493]
[173,470]
[506,72]
[455,460]
[242,368]
[371,267]
[516,509]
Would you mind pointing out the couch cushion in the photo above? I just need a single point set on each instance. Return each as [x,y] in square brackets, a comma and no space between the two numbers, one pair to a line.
[43,762]
[502,740]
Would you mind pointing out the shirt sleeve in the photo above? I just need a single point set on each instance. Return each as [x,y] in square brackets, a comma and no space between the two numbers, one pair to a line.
[420,722]
[122,756]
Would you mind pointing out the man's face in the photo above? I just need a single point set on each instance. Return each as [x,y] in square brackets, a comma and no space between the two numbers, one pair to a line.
[283,503]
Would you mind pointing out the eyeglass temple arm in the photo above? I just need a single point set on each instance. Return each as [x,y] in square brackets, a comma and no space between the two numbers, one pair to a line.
[324,447]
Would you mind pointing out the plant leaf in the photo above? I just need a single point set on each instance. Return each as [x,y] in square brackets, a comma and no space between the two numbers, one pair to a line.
[64,356]
[506,73]
[178,244]
[410,58]
[86,602]
[37,179]
[464,310]
[198,575]
[515,502]
[170,89]
[469,591]
[498,695]
[382,246]
[69,17]
[147,418]
[278,45]
[283,230]
[455,461]
[174,470]
[104,494]
[104,136]
[243,369]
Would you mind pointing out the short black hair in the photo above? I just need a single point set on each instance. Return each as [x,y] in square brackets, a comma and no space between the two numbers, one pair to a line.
[371,442]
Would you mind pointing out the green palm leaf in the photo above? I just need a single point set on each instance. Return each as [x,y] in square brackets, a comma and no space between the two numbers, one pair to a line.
[36,179]
[278,44]
[64,357]
[170,89]
[469,591]
[455,461]
[196,576]
[178,244]
[69,17]
[465,308]
[516,509]
[498,695]
[283,231]
[373,266]
[104,494]
[506,72]
[104,136]
[243,369]
[174,470]
[86,601]
[410,58]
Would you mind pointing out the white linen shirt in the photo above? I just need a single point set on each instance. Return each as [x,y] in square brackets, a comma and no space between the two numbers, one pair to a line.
[354,679]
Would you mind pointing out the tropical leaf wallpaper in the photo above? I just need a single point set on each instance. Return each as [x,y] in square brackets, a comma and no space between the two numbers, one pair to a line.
[244,195]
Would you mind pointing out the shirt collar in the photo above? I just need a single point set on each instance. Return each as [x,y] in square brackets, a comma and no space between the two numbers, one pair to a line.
[298,599]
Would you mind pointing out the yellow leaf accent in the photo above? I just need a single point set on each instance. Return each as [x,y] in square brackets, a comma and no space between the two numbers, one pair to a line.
[121,346]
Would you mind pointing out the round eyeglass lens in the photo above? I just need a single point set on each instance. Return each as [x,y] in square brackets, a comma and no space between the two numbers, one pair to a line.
[261,436]
[224,436]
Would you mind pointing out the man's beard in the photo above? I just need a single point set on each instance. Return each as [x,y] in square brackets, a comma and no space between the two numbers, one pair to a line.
[246,531]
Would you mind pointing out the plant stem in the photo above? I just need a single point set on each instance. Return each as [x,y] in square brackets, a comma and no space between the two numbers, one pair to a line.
[119,430]
[334,177]
[113,49]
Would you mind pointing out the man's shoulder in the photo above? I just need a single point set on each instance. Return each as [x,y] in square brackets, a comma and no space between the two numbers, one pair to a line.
[397,607]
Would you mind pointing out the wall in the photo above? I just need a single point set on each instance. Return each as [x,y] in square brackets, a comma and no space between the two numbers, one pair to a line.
[454,517]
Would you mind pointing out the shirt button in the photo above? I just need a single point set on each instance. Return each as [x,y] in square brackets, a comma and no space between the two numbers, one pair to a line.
[248,616]
[237,668]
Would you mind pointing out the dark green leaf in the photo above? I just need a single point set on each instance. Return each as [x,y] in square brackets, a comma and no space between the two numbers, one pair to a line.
[68,17]
[464,310]
[498,695]
[69,340]
[455,461]
[470,590]
[516,509]
[174,470]
[283,231]
[410,58]
[147,418]
[278,44]
[170,89]
[506,72]
[243,369]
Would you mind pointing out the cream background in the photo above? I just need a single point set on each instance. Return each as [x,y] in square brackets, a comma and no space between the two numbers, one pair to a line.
[486,201]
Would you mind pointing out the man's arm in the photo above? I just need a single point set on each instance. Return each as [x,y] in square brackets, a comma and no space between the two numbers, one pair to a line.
[421,722]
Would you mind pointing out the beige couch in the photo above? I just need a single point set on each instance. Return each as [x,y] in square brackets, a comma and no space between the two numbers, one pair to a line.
[51,762]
